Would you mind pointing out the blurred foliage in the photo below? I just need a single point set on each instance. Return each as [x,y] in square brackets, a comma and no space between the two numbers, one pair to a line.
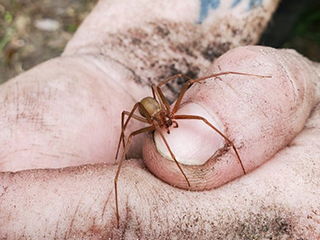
[309,26]
[72,28]
[306,36]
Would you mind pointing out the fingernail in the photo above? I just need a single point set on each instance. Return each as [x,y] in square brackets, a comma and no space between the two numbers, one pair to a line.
[193,142]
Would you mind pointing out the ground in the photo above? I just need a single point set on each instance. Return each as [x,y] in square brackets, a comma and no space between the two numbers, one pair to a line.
[25,42]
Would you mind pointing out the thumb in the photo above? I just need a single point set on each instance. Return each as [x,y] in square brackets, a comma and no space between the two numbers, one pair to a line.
[258,115]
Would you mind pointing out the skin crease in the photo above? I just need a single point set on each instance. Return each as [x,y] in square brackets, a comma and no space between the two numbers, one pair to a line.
[49,121]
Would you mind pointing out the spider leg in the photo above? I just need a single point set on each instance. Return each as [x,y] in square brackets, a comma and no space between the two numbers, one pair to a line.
[192,81]
[131,114]
[145,129]
[214,128]
[123,126]
[172,155]
[173,77]
[159,93]
[127,145]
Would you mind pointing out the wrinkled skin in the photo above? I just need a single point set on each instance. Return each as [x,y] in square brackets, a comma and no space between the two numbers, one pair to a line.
[66,112]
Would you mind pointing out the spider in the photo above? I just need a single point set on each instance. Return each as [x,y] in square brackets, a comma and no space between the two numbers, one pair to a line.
[157,112]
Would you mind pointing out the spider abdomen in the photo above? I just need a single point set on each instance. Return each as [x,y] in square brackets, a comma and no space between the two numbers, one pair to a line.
[151,105]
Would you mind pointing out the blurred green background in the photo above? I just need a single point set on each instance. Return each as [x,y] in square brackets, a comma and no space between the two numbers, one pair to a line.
[32,31]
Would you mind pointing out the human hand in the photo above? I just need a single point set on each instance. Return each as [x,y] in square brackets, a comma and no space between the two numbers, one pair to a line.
[66,112]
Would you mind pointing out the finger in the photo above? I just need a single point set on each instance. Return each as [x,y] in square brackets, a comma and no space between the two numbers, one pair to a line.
[65,112]
[156,44]
[259,115]
[278,200]
[57,204]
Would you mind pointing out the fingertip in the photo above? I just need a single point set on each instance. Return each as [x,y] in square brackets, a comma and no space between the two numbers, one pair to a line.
[215,172]
[258,115]
[205,157]
[193,142]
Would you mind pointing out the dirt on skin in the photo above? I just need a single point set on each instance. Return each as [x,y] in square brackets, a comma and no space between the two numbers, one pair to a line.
[33,31]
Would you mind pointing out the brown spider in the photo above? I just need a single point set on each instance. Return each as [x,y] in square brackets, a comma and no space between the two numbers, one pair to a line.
[157,112]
